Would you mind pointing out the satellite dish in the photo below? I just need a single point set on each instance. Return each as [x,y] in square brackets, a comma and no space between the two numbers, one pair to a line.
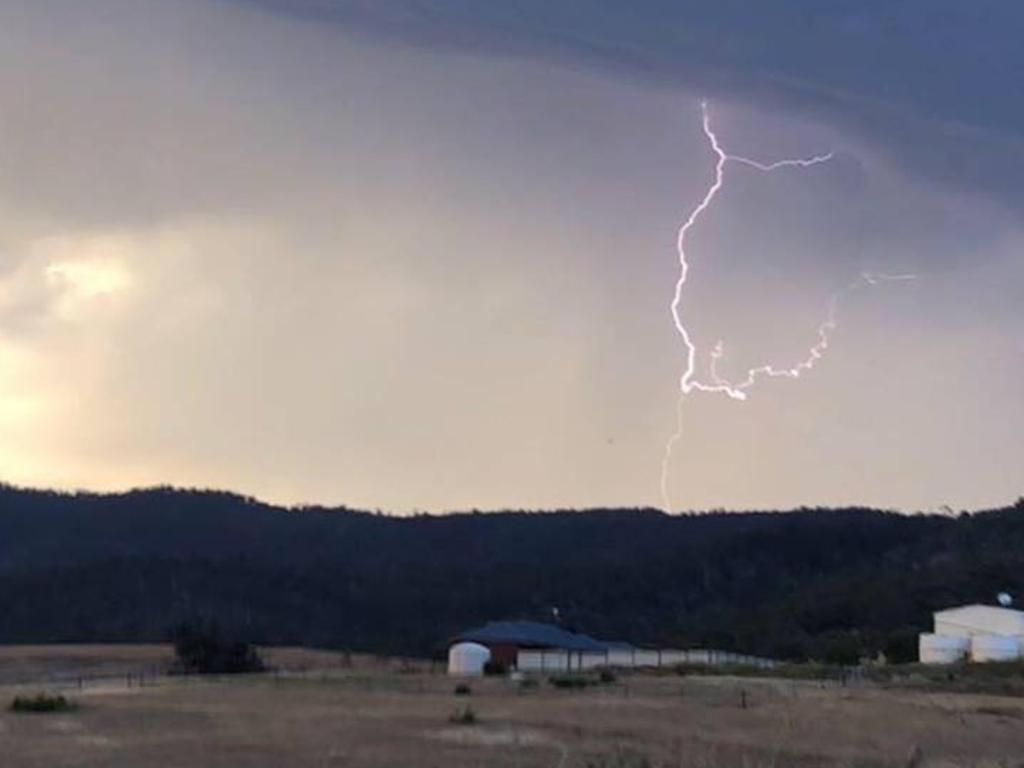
[1005,599]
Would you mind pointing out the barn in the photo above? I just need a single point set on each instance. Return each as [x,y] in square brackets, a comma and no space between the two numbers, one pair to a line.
[976,632]
[529,646]
[510,643]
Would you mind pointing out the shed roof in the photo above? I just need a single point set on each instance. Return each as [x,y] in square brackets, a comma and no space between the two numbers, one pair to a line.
[530,634]
[617,645]
[984,618]
[981,609]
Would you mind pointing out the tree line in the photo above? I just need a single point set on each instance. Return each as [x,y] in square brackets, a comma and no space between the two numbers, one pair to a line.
[830,584]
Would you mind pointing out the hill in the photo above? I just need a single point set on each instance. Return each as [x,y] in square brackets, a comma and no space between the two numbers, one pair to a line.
[808,583]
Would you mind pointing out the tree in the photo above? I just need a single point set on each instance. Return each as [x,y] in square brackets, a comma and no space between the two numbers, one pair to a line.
[841,648]
[900,646]
[201,647]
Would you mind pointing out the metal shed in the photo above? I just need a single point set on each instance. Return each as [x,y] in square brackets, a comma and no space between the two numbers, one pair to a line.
[513,642]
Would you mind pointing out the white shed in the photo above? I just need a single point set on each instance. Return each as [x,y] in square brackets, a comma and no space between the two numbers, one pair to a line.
[468,659]
[943,649]
[979,632]
[971,620]
[994,648]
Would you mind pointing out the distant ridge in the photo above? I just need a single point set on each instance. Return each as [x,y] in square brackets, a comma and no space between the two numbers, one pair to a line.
[124,567]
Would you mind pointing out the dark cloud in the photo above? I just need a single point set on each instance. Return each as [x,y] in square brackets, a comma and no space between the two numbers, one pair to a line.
[300,260]
[934,82]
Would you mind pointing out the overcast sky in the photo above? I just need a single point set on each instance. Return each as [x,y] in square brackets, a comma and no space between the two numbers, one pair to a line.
[419,254]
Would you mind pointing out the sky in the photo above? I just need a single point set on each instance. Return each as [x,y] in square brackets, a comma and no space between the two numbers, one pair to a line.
[419,254]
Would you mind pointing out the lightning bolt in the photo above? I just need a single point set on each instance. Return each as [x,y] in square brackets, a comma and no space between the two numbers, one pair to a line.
[688,382]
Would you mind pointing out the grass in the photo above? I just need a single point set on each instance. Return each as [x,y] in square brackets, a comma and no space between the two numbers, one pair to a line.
[621,758]
[42,703]
[375,714]
[1004,678]
[1000,678]
[809,671]
[994,710]
[572,681]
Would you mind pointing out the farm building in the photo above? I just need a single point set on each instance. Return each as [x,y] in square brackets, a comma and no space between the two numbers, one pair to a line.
[506,641]
[975,632]
[528,646]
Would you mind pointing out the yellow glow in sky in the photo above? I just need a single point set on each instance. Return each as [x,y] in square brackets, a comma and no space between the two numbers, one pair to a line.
[89,279]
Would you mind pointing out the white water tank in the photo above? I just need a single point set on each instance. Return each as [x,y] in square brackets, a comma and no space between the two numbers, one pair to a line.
[994,648]
[468,659]
[942,649]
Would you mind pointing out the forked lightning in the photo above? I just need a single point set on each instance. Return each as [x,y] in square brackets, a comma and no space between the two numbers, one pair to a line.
[737,390]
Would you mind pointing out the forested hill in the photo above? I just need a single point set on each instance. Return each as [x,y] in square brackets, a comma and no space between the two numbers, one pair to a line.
[823,583]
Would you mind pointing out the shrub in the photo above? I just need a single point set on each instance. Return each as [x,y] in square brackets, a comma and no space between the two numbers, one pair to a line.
[607,676]
[901,647]
[202,648]
[495,669]
[42,703]
[568,681]
[463,690]
[463,716]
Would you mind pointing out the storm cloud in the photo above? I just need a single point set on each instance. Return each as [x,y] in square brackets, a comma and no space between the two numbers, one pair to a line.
[419,255]
[935,83]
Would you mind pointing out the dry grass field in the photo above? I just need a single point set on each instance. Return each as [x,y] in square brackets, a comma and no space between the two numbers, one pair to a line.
[329,710]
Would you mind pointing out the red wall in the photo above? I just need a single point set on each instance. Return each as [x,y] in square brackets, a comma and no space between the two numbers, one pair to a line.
[504,653]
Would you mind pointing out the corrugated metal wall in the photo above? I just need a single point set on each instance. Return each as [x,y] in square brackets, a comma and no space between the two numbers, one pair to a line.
[568,661]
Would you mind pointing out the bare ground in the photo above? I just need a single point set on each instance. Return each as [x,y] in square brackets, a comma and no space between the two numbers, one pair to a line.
[365,712]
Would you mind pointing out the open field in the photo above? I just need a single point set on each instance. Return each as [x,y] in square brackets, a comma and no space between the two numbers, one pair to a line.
[362,712]
[65,664]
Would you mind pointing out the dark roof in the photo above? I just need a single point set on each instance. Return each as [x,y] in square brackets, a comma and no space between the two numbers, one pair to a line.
[530,634]
[617,645]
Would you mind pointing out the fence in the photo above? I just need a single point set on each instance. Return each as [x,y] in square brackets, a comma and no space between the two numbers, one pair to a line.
[557,660]
[142,678]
